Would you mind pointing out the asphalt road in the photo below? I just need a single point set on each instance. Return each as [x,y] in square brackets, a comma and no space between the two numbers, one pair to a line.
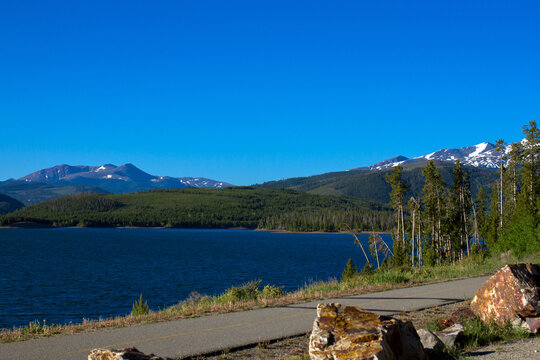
[217,332]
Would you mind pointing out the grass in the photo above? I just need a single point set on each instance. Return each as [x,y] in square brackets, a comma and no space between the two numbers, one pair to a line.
[476,334]
[248,296]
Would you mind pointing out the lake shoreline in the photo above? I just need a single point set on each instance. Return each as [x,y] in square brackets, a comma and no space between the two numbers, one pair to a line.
[32,225]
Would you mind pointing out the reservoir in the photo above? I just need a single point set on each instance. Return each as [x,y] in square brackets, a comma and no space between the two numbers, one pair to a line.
[65,275]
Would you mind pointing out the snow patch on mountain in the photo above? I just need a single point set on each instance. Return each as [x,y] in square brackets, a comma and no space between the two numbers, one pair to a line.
[481,155]
[116,179]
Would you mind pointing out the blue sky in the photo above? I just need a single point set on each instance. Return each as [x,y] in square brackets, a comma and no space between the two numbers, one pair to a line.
[250,91]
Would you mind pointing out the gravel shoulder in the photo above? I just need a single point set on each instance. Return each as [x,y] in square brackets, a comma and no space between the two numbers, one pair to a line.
[527,349]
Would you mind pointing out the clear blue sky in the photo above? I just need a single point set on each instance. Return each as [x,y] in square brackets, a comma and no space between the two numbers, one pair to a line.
[249,91]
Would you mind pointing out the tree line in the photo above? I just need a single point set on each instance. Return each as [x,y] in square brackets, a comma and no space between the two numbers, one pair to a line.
[271,209]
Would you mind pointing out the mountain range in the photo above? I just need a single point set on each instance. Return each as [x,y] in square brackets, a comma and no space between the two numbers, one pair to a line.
[65,179]
[116,179]
[483,155]
[366,182]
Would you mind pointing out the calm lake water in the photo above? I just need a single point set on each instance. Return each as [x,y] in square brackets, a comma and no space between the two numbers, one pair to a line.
[63,275]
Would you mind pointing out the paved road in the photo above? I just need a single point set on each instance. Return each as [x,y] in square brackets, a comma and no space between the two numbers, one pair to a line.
[213,333]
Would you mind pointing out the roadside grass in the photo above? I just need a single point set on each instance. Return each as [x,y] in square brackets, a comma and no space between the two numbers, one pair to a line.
[248,296]
[477,333]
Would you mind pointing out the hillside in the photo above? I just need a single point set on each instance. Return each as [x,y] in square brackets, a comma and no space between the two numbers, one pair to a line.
[9,204]
[277,209]
[32,193]
[371,185]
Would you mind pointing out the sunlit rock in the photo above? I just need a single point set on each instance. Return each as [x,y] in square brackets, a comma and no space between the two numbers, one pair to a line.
[124,354]
[511,296]
[353,333]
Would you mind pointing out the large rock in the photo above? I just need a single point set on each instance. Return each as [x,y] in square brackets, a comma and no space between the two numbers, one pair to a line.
[353,333]
[430,341]
[124,354]
[451,335]
[511,295]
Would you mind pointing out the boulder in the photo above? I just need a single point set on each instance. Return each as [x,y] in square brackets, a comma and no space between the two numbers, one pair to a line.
[124,354]
[353,333]
[511,296]
[451,335]
[430,341]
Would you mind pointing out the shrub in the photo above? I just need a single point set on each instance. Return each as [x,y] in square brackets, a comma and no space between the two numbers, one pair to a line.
[367,269]
[349,272]
[139,308]
[271,292]
[246,291]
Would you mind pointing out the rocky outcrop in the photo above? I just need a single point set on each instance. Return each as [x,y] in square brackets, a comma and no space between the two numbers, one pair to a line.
[124,354]
[511,295]
[353,333]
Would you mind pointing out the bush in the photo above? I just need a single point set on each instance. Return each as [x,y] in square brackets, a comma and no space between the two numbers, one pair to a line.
[271,292]
[367,269]
[246,291]
[349,272]
[520,236]
[139,308]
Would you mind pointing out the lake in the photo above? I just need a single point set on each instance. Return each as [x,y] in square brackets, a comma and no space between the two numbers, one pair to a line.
[63,275]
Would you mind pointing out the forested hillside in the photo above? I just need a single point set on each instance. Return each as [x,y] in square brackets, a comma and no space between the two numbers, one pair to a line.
[371,185]
[275,209]
[30,193]
[8,204]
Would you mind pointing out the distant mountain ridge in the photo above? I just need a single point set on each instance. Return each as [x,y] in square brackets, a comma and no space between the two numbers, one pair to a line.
[116,179]
[483,155]
[9,204]
[30,193]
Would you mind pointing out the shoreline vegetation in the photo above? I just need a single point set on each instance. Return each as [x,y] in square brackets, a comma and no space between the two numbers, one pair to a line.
[37,226]
[248,296]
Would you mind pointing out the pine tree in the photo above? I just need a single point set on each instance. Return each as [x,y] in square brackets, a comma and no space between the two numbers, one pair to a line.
[481,212]
[460,209]
[512,178]
[397,196]
[492,228]
[349,272]
[531,163]
[415,210]
[500,147]
[434,201]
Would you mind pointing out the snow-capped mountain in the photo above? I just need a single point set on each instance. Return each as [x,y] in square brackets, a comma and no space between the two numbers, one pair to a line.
[483,155]
[116,179]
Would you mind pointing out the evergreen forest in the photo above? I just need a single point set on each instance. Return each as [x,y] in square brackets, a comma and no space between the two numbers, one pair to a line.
[271,209]
[444,222]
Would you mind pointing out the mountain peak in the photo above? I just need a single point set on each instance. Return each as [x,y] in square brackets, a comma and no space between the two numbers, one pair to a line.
[480,155]
[116,179]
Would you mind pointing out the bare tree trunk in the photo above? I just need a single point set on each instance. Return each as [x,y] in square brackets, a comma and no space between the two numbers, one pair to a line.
[501,195]
[402,227]
[420,256]
[412,240]
[476,240]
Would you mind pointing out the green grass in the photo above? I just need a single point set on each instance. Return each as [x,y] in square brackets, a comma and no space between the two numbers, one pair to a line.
[477,333]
